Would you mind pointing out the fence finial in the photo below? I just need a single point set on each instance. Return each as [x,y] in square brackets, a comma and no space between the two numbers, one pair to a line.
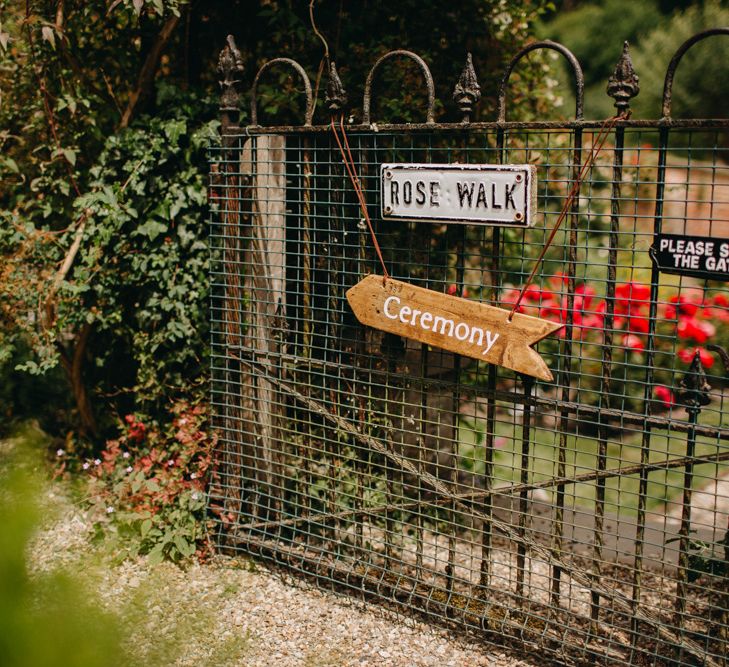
[623,84]
[230,67]
[694,387]
[336,97]
[467,91]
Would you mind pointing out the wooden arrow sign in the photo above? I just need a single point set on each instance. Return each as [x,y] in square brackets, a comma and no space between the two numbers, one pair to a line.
[459,325]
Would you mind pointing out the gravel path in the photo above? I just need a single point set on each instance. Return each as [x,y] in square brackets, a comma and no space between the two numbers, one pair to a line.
[232,612]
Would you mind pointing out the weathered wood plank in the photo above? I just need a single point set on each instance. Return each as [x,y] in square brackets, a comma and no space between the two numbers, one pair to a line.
[264,159]
[465,327]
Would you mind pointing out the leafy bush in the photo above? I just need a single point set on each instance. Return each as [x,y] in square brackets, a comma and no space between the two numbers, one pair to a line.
[135,300]
[147,487]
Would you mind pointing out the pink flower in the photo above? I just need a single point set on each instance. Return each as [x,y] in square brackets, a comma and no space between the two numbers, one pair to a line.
[633,342]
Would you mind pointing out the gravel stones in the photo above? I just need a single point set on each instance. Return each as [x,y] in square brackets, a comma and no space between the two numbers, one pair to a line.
[235,612]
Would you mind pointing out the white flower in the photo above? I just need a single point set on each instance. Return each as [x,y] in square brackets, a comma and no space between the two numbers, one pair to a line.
[182,421]
[86,465]
[97,462]
[110,510]
[196,496]
[193,476]
[60,452]
[129,468]
[126,455]
[171,462]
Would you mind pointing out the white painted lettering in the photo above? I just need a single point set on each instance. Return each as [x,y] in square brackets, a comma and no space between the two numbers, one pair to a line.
[443,323]
[462,331]
[388,300]
[474,331]
[491,338]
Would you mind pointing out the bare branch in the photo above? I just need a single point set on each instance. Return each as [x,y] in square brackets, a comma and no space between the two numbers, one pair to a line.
[149,70]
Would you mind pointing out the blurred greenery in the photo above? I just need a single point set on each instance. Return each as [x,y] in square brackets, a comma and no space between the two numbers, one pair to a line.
[595,31]
[52,617]
[47,619]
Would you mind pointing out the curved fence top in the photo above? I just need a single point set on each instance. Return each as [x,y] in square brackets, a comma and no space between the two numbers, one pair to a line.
[554,46]
[309,112]
[673,65]
[367,99]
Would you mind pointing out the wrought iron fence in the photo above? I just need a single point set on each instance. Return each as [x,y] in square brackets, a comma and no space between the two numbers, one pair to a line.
[588,517]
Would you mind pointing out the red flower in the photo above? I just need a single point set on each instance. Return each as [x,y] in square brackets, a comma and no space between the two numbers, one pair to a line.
[631,293]
[664,395]
[720,300]
[638,325]
[681,305]
[534,293]
[585,294]
[687,356]
[698,330]
[509,299]
[453,290]
[633,342]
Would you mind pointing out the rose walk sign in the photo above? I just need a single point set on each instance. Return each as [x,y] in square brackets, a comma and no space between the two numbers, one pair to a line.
[459,325]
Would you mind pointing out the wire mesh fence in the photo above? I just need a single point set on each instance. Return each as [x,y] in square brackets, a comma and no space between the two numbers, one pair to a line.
[588,517]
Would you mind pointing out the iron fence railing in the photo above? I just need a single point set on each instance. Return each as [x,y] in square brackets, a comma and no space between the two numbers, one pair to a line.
[586,517]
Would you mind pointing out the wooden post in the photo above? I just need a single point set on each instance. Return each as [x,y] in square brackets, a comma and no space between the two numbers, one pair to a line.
[264,159]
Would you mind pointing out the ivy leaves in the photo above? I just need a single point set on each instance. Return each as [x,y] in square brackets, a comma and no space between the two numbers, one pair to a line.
[141,275]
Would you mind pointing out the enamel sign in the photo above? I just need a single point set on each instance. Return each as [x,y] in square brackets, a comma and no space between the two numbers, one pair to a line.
[459,325]
[475,194]
[698,256]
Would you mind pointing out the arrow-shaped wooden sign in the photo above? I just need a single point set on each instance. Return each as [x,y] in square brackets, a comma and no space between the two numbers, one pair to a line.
[459,325]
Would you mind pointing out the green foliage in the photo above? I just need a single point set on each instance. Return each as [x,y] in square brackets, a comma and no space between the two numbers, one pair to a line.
[142,280]
[47,619]
[700,82]
[147,488]
[583,32]
[655,31]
